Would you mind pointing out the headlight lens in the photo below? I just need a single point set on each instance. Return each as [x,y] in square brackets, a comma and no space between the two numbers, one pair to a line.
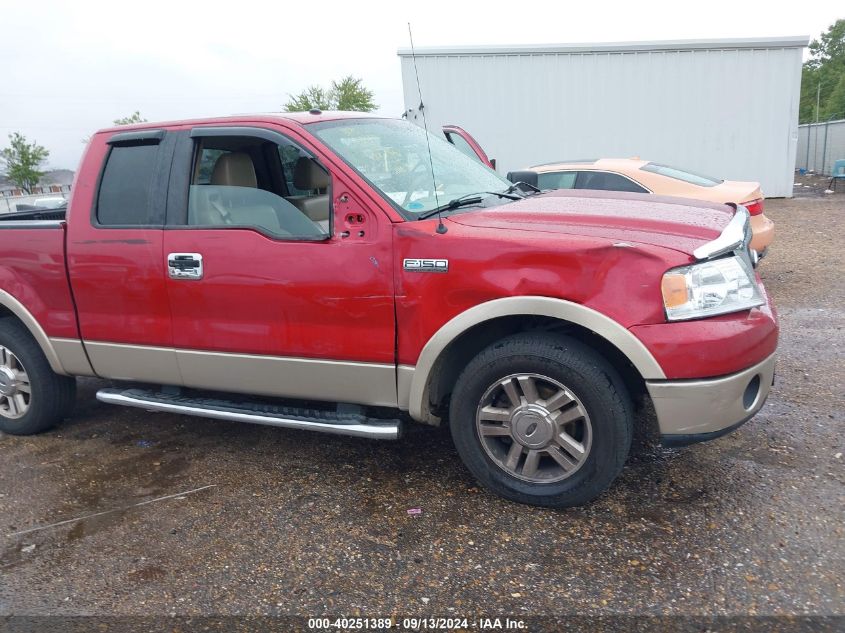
[710,288]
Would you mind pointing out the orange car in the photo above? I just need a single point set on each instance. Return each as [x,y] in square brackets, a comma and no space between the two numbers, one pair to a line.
[642,176]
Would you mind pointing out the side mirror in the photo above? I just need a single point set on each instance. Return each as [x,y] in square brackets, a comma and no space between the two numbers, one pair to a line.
[529,177]
[493,163]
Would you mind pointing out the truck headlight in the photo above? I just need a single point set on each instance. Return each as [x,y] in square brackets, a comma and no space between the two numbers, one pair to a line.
[710,288]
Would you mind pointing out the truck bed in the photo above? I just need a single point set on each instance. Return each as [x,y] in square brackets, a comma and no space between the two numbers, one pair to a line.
[36,215]
[33,269]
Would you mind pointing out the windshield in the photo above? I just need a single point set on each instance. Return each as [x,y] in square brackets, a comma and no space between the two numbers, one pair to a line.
[393,156]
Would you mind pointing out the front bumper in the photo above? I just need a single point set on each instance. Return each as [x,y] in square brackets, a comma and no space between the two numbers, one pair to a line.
[690,411]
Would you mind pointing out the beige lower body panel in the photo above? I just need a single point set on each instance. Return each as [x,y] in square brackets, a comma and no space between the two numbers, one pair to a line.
[404,378]
[371,384]
[692,407]
[71,356]
[142,363]
[333,381]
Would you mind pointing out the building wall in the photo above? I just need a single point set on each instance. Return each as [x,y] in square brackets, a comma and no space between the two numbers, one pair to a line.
[820,145]
[726,109]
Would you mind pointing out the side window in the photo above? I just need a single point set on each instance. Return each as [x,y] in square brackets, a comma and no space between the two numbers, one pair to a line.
[460,142]
[607,181]
[290,154]
[242,182]
[124,198]
[557,180]
[205,165]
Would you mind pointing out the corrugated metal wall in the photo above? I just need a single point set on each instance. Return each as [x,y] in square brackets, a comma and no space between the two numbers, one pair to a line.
[820,145]
[727,113]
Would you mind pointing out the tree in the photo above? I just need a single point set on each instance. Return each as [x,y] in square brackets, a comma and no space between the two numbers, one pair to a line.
[135,117]
[350,94]
[835,106]
[347,94]
[830,46]
[22,160]
[823,75]
[310,98]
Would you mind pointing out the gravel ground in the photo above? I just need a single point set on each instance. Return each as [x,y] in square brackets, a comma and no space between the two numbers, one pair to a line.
[289,522]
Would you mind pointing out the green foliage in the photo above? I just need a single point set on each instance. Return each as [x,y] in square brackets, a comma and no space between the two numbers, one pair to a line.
[351,94]
[310,98]
[347,94]
[21,161]
[835,106]
[823,75]
[135,117]
[830,46]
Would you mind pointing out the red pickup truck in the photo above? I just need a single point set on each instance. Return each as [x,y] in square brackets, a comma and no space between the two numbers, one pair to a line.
[367,273]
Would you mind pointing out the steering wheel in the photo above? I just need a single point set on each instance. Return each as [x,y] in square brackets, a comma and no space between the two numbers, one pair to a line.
[419,176]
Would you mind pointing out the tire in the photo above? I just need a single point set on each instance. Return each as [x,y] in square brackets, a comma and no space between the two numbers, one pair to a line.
[51,396]
[597,412]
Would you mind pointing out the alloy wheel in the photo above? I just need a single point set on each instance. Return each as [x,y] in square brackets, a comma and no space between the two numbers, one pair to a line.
[534,428]
[15,388]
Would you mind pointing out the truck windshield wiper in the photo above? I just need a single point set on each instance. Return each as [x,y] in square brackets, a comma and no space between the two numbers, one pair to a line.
[467,199]
[522,183]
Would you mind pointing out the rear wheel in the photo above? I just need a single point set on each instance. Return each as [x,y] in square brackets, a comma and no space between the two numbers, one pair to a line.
[33,398]
[542,419]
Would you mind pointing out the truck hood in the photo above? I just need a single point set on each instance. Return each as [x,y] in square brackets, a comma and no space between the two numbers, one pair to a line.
[677,223]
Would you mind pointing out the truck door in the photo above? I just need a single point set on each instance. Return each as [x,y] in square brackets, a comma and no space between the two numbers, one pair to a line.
[279,276]
[462,140]
[114,247]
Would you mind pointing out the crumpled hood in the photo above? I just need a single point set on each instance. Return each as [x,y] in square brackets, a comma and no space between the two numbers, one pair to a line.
[676,223]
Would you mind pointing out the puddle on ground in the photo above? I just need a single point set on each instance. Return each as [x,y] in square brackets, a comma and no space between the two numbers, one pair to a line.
[92,525]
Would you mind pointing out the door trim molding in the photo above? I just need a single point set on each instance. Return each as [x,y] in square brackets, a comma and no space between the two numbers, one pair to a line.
[356,382]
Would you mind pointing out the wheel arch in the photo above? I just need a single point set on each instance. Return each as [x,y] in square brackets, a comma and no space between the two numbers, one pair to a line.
[491,319]
[12,308]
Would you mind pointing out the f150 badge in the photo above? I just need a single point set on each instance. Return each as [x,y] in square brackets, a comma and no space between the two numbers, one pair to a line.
[426,265]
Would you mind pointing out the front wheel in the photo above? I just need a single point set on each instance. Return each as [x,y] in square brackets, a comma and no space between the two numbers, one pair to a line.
[542,419]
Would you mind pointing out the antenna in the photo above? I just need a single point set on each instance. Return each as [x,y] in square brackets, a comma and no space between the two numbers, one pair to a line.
[441,228]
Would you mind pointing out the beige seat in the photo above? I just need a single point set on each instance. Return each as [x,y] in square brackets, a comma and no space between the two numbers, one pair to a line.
[216,205]
[234,169]
[309,176]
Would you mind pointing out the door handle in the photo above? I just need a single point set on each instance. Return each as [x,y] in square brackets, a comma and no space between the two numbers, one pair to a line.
[184,265]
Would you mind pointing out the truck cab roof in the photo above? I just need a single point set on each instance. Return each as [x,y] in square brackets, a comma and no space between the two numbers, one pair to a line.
[302,118]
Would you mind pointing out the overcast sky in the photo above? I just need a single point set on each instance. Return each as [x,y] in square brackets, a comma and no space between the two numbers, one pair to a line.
[69,68]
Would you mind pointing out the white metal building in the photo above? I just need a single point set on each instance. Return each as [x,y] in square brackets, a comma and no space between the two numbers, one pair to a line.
[726,108]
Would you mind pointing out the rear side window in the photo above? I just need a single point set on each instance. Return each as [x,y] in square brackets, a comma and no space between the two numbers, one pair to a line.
[125,189]
[607,181]
[557,180]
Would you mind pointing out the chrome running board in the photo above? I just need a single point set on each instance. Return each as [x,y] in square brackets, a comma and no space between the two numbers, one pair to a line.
[354,423]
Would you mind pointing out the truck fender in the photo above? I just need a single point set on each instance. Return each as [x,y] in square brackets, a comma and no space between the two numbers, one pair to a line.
[69,349]
[416,379]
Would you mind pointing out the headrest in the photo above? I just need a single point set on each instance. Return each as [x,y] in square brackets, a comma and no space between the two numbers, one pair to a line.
[234,170]
[307,174]
[597,180]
